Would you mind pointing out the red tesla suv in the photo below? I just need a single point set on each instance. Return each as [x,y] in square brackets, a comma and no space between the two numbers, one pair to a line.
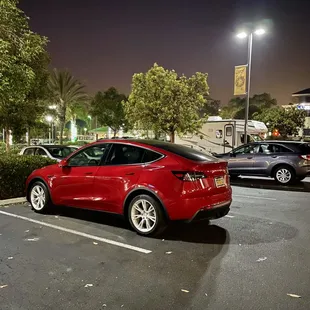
[149,182]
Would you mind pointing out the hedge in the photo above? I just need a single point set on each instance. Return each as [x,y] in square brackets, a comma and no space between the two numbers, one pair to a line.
[14,170]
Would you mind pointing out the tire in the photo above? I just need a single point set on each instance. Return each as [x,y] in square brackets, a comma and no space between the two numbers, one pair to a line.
[146,216]
[285,175]
[39,197]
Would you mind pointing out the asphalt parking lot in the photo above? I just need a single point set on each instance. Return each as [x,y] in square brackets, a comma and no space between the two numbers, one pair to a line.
[258,257]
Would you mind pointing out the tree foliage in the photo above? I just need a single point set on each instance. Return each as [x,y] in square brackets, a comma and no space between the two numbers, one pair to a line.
[167,102]
[69,96]
[286,121]
[21,66]
[236,106]
[210,108]
[109,110]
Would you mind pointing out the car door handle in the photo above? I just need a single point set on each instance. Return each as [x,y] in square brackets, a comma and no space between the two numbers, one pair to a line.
[274,156]
[250,157]
[88,173]
[130,173]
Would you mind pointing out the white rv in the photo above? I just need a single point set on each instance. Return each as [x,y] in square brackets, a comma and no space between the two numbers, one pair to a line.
[219,135]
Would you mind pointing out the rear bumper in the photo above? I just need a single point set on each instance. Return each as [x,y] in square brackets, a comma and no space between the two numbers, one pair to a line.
[188,208]
[213,213]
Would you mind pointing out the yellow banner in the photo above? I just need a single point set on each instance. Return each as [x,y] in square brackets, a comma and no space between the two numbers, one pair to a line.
[240,80]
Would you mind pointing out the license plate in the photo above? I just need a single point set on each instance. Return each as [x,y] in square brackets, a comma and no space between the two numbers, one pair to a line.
[219,182]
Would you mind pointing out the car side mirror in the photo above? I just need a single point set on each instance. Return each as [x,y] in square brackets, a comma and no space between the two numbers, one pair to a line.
[63,164]
[232,154]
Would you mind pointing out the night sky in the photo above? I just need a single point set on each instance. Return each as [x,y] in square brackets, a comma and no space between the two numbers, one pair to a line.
[104,42]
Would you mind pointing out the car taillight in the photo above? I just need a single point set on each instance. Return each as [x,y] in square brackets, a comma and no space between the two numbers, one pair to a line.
[306,157]
[189,176]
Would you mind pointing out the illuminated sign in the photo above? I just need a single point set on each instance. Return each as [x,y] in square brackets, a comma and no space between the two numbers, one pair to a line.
[303,107]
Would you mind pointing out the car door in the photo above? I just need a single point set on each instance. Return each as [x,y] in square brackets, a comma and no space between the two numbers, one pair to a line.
[268,155]
[241,160]
[117,176]
[263,158]
[73,186]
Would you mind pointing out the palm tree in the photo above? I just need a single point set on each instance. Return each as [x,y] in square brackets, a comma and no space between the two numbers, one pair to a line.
[69,95]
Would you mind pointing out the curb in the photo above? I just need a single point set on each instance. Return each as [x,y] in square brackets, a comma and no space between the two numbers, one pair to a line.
[12,201]
[272,187]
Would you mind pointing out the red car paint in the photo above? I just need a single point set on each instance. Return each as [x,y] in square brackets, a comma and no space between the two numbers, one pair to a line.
[107,187]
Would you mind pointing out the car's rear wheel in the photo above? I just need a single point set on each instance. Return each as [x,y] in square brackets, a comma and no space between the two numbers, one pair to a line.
[39,197]
[146,216]
[284,175]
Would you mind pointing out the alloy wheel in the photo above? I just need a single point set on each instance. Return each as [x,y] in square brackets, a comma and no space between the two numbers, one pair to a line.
[38,197]
[283,175]
[143,215]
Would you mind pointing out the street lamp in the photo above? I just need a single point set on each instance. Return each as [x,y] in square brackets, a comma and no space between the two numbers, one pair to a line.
[49,119]
[242,35]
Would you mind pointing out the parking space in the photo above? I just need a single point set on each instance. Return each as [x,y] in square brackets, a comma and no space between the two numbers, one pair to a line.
[76,259]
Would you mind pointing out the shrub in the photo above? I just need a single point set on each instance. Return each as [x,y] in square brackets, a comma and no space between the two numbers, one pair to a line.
[14,171]
[14,149]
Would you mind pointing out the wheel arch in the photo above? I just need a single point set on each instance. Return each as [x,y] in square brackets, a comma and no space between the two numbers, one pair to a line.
[273,170]
[34,180]
[142,191]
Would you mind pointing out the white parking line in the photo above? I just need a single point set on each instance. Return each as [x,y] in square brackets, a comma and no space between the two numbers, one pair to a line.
[78,233]
[255,197]
[230,216]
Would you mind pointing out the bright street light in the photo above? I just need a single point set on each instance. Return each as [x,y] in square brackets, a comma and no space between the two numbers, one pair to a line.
[242,35]
[52,107]
[260,31]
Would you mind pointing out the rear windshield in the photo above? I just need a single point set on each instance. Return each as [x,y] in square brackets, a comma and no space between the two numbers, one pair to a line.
[183,151]
[305,148]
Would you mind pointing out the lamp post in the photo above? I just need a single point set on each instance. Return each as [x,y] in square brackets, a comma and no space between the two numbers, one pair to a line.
[242,35]
[49,119]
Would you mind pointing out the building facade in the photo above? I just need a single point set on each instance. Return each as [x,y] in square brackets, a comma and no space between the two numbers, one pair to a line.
[301,100]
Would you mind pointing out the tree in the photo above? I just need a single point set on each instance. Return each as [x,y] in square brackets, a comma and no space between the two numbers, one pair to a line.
[109,110]
[210,108]
[166,101]
[236,106]
[20,67]
[286,121]
[68,95]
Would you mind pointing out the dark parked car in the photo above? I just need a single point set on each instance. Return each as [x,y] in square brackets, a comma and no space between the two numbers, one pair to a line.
[148,182]
[286,161]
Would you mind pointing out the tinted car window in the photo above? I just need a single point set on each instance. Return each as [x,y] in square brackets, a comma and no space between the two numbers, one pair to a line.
[82,159]
[122,154]
[29,151]
[305,148]
[273,148]
[59,152]
[40,152]
[247,149]
[150,156]
[180,150]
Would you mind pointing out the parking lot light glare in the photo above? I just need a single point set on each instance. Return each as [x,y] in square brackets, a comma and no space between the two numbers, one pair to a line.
[242,35]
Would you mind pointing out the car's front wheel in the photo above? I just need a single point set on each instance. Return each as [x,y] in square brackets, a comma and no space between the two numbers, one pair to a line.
[39,197]
[284,175]
[146,216]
